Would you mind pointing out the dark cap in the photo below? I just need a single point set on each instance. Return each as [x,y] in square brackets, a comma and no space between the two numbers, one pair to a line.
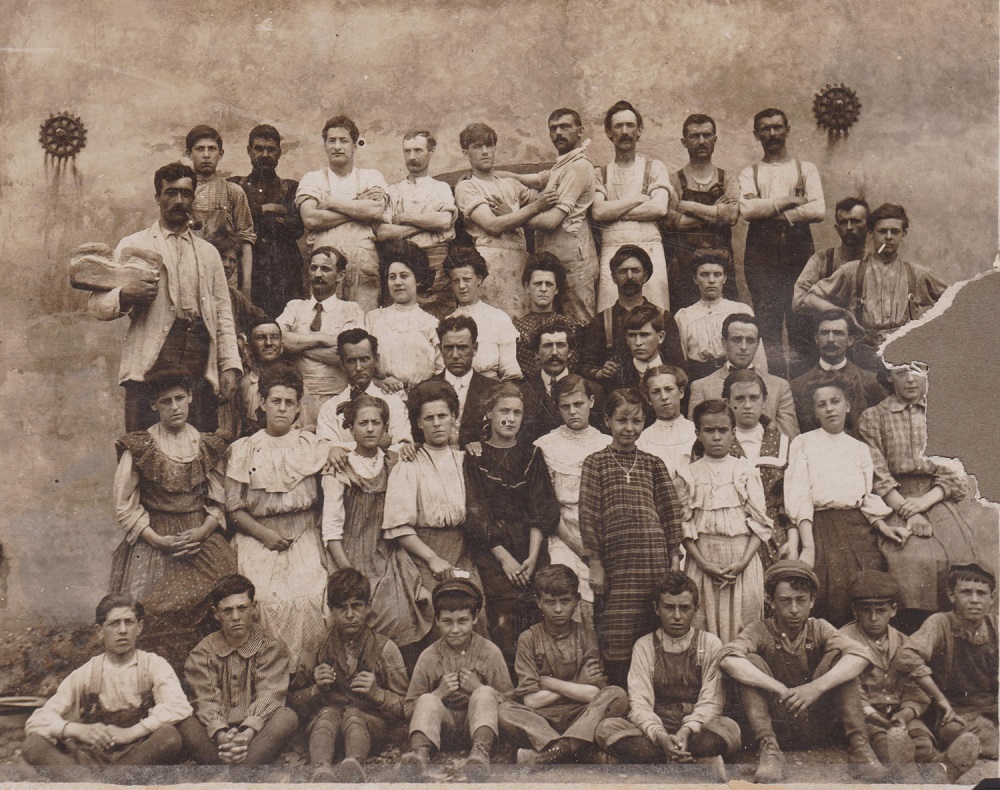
[979,567]
[460,586]
[790,569]
[872,585]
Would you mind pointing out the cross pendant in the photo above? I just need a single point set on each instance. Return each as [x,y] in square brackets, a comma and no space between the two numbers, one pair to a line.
[628,478]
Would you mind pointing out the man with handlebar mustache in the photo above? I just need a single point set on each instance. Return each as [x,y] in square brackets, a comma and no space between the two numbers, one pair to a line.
[179,308]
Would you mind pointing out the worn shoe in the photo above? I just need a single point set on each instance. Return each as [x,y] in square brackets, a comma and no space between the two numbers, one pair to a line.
[351,771]
[413,763]
[770,763]
[477,764]
[323,773]
[559,751]
[961,755]
[864,764]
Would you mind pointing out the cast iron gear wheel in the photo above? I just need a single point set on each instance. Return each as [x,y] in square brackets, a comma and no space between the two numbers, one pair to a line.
[837,109]
[63,135]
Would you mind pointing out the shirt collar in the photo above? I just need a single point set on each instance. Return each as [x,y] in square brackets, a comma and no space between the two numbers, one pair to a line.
[893,403]
[457,382]
[328,303]
[548,380]
[184,234]
[728,367]
[642,367]
[254,643]
[824,365]
[671,645]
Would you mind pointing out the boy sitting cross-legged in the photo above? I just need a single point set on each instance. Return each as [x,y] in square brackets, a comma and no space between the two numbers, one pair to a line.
[457,684]
[675,688]
[795,676]
[561,683]
[892,702]
[953,657]
[349,685]
[119,708]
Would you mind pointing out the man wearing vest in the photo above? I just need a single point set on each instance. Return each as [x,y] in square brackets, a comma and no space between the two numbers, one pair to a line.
[781,197]
[703,216]
[851,224]
[633,194]
[675,688]
[605,355]
[882,290]
[119,708]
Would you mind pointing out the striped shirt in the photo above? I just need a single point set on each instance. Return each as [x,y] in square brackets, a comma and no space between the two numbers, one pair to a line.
[237,686]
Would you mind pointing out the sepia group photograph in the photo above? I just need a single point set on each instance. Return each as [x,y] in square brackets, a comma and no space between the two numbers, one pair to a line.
[446,392]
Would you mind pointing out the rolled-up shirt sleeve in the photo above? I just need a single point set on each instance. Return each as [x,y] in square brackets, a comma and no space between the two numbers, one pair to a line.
[61,708]
[171,706]
[911,659]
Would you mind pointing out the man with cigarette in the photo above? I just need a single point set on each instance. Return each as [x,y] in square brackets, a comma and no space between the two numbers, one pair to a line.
[883,291]
[180,316]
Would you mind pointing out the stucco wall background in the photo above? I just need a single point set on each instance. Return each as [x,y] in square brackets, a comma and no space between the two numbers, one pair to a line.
[141,73]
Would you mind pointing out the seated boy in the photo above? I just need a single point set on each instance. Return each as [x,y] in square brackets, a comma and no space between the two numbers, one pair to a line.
[674,687]
[953,657]
[794,675]
[457,684]
[351,684]
[893,703]
[119,708]
[239,676]
[562,686]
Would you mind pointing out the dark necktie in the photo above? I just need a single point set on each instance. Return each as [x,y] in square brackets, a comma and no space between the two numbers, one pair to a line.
[317,322]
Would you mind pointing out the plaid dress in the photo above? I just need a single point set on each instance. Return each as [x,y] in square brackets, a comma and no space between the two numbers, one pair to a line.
[633,528]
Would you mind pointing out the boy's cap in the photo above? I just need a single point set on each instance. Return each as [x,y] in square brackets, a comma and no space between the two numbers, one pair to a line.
[790,569]
[870,585]
[978,566]
[458,585]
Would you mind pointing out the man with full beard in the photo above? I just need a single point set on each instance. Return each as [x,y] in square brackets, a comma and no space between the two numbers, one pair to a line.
[277,263]
[605,354]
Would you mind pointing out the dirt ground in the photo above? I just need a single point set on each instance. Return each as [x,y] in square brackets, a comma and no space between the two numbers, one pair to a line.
[33,661]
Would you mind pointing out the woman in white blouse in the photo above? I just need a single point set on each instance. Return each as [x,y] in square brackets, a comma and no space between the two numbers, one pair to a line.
[408,344]
[829,499]
[496,357]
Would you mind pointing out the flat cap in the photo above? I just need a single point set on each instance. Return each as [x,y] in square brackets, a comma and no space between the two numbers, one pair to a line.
[460,586]
[976,565]
[871,585]
[790,569]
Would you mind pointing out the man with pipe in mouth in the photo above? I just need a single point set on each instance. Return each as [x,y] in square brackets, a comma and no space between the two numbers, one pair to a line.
[178,306]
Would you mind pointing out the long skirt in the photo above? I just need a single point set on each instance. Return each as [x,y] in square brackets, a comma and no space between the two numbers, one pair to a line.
[400,605]
[173,591]
[449,545]
[725,610]
[959,531]
[845,545]
[291,584]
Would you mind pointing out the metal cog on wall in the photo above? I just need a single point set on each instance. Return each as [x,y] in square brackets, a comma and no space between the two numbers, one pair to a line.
[837,109]
[63,135]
